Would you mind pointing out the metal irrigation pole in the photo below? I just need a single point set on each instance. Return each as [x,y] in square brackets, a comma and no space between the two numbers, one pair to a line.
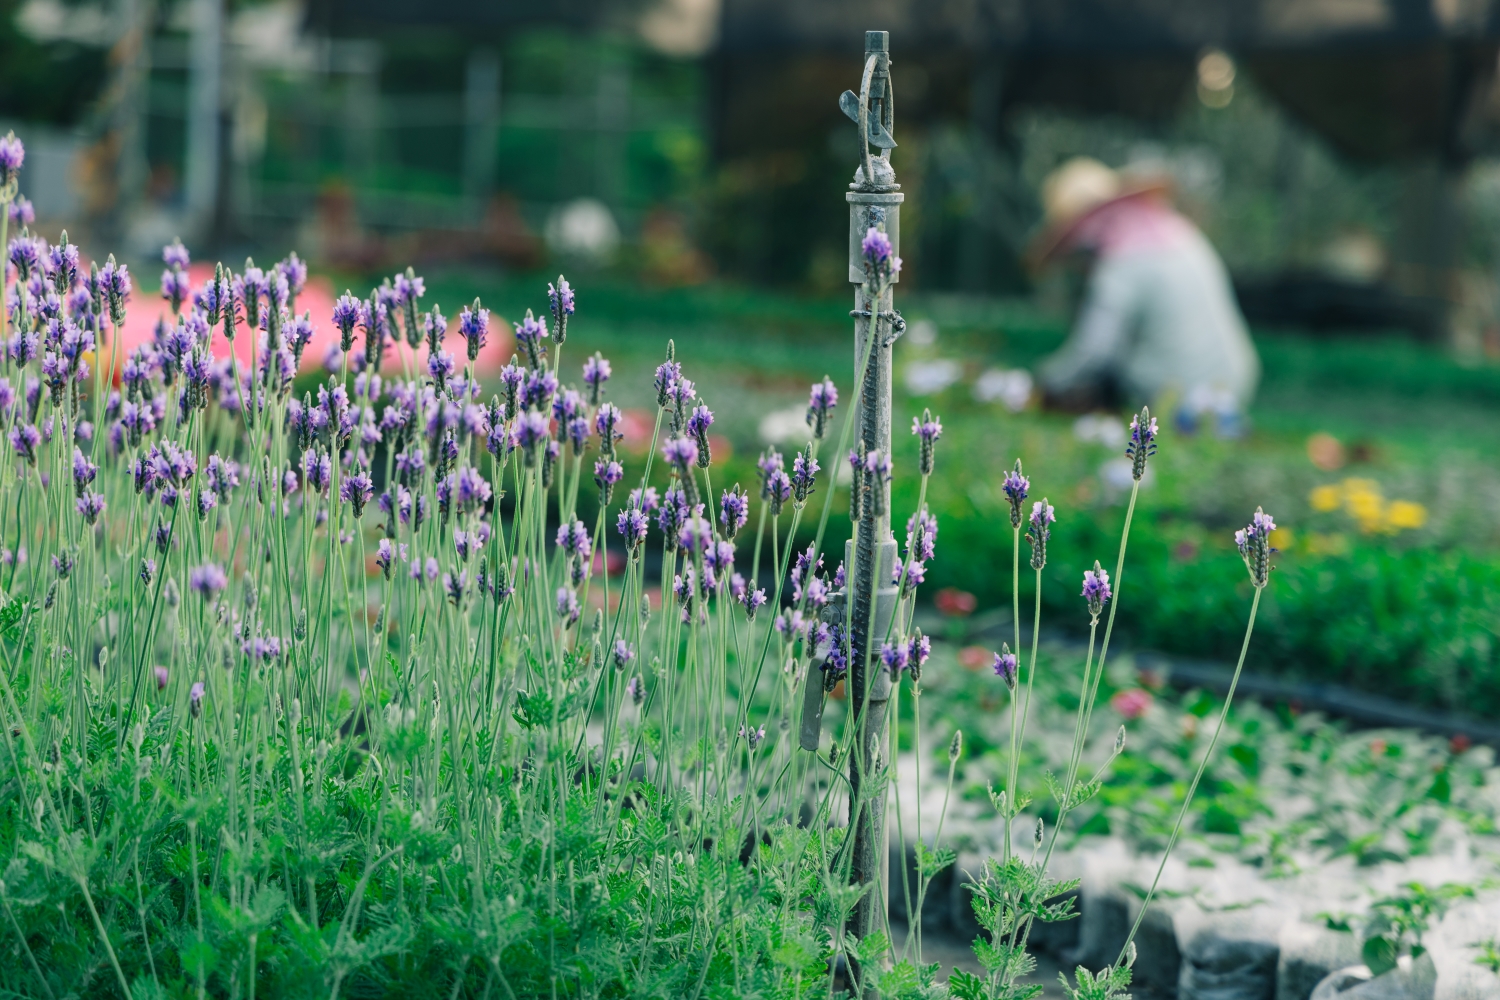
[874,202]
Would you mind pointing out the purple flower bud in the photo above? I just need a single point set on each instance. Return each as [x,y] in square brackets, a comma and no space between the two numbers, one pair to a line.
[927,429]
[667,374]
[209,580]
[530,333]
[804,469]
[356,491]
[1015,487]
[734,511]
[1142,444]
[175,255]
[473,326]
[1005,666]
[879,255]
[12,155]
[894,656]
[1039,531]
[820,403]
[161,678]
[1254,543]
[632,526]
[596,372]
[680,453]
[195,699]
[1096,588]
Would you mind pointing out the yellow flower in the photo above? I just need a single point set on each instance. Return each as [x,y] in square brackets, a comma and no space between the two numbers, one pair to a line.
[1326,498]
[1282,539]
[1404,514]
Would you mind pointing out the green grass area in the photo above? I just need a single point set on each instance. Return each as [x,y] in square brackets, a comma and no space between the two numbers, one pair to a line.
[1409,614]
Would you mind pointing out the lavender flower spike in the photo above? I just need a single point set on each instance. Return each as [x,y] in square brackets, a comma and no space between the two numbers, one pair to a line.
[928,429]
[1254,543]
[734,511]
[1015,487]
[209,580]
[879,254]
[12,155]
[821,400]
[530,333]
[1096,589]
[1142,443]
[473,325]
[560,298]
[1039,531]
[1006,666]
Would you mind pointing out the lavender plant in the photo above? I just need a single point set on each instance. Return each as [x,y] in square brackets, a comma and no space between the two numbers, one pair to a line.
[316,686]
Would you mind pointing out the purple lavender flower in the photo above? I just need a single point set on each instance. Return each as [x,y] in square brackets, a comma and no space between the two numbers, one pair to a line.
[261,648]
[680,453]
[148,571]
[115,280]
[90,505]
[161,678]
[646,499]
[473,326]
[12,155]
[1037,534]
[207,501]
[561,298]
[632,525]
[820,403]
[667,374]
[880,258]
[606,424]
[346,316]
[622,654]
[779,487]
[636,689]
[1096,588]
[1015,487]
[918,649]
[21,212]
[804,469]
[702,418]
[530,333]
[84,472]
[385,556]
[25,438]
[894,656]
[531,430]
[209,580]
[293,271]
[1006,665]
[921,536]
[910,576]
[356,491]
[606,475]
[770,461]
[174,288]
[753,600]
[596,372]
[317,470]
[734,511]
[1142,443]
[567,605]
[1254,543]
[195,699]
[541,386]
[927,429]
[440,367]
[175,255]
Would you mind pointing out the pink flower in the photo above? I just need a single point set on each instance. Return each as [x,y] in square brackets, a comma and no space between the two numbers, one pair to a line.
[1132,703]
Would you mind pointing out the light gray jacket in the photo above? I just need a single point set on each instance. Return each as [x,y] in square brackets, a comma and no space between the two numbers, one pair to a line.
[1163,321]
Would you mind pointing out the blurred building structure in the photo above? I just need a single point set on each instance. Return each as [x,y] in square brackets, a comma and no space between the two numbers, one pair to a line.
[1324,144]
[1405,85]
